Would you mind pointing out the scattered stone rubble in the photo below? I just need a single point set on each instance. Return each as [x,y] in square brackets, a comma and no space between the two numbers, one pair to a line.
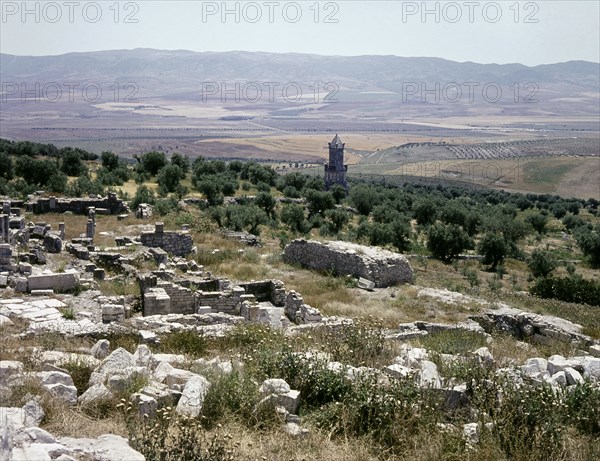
[380,266]
[539,328]
[243,237]
[167,385]
[22,439]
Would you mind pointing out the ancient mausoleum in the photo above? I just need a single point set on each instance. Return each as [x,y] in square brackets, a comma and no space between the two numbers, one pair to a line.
[335,170]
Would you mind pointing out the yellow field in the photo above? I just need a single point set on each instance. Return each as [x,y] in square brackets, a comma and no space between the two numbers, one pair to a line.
[316,145]
[570,176]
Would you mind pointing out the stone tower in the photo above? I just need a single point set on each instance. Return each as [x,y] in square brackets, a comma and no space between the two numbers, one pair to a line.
[335,170]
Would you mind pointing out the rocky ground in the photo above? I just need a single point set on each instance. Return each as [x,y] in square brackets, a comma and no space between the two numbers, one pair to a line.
[68,360]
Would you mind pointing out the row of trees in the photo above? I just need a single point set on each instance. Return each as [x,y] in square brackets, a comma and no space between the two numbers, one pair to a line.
[27,166]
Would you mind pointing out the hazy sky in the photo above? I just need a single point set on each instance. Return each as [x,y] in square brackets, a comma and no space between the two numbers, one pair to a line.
[532,33]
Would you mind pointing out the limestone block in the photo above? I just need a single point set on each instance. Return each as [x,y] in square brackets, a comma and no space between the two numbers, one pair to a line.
[94,395]
[101,349]
[57,281]
[192,397]
[383,267]
[366,284]
[429,376]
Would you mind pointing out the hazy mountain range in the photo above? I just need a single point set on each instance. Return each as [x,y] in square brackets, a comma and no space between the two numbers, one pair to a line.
[168,88]
[157,72]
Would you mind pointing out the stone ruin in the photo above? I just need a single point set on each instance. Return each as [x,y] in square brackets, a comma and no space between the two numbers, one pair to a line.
[178,243]
[143,211]
[244,237]
[199,293]
[163,293]
[11,221]
[103,205]
[382,267]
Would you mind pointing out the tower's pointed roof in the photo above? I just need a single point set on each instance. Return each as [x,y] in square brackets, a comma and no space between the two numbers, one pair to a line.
[336,142]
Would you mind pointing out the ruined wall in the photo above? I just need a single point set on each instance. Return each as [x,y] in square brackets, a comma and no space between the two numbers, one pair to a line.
[381,266]
[297,311]
[272,291]
[156,301]
[182,299]
[111,203]
[164,297]
[177,243]
[5,255]
[200,285]
[228,302]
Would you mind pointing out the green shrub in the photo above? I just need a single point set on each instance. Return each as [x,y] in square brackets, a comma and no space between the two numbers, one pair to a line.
[529,423]
[541,263]
[360,343]
[67,313]
[457,341]
[248,337]
[127,340]
[571,289]
[170,437]
[583,408]
[164,206]
[472,277]
[187,342]
[494,284]
[143,194]
[318,383]
[231,396]
[80,372]
[391,415]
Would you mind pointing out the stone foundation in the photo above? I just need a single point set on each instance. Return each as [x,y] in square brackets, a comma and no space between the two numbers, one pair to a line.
[227,302]
[260,302]
[382,267]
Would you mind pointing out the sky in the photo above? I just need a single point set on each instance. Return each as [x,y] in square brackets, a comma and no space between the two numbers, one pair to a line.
[531,33]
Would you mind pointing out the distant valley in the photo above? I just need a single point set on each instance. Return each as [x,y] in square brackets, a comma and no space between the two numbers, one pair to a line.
[284,107]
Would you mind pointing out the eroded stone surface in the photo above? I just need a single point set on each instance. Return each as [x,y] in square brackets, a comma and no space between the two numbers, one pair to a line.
[381,266]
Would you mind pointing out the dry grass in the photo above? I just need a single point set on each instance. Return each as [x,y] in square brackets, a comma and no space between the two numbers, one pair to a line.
[508,351]
[276,445]
[570,177]
[120,286]
[107,226]
[391,305]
